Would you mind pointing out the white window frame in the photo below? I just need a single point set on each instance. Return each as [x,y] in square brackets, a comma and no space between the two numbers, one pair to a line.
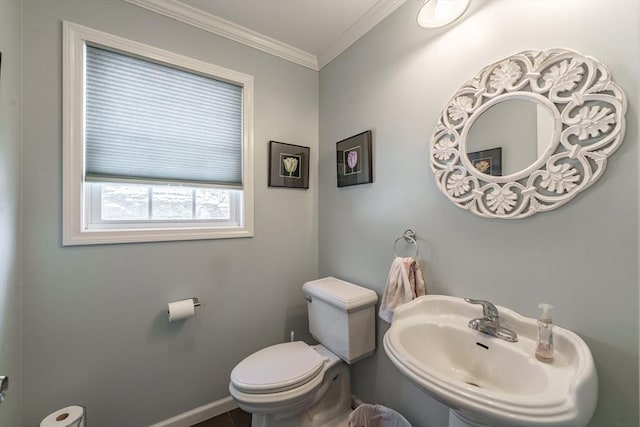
[75,199]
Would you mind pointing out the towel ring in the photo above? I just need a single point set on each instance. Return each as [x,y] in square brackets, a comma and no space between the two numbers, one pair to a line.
[410,237]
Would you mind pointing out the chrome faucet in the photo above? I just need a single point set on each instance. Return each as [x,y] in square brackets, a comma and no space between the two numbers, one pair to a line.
[489,323]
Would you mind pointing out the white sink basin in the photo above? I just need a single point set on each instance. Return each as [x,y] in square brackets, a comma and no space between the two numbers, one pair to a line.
[487,378]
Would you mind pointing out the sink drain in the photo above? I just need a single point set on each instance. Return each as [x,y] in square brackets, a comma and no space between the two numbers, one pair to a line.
[473,384]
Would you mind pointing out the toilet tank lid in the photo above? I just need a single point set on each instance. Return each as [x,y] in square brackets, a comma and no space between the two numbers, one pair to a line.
[340,293]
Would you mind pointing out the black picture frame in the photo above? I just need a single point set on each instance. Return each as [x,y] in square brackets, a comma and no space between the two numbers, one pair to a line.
[292,174]
[488,162]
[354,160]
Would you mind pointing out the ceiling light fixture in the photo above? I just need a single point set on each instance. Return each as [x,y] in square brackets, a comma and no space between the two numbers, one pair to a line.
[438,13]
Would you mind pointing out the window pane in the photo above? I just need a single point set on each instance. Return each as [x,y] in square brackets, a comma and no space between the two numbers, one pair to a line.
[125,202]
[172,203]
[213,204]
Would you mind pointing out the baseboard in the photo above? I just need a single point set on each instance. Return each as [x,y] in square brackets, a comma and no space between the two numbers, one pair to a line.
[197,415]
[213,409]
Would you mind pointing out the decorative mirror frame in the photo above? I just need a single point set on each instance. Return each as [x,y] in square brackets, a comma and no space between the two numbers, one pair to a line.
[588,111]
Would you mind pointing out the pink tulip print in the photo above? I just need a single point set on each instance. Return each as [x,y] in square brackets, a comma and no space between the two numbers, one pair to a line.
[352,159]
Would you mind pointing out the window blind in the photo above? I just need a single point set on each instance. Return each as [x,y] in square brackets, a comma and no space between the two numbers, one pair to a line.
[148,122]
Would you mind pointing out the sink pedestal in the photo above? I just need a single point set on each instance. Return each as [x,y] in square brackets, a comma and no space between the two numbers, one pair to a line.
[462,418]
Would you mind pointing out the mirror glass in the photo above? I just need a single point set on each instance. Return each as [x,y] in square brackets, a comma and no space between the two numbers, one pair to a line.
[521,129]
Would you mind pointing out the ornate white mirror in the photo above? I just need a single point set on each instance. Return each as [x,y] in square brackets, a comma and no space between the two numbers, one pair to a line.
[527,133]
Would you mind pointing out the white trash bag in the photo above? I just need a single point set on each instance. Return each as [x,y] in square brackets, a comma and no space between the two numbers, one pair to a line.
[367,415]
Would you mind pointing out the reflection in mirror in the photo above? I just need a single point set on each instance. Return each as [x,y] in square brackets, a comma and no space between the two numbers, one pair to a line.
[520,128]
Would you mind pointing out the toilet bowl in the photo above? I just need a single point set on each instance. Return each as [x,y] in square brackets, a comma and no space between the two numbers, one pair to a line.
[298,385]
[294,378]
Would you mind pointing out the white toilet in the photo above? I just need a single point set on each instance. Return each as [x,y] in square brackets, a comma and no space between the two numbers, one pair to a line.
[297,385]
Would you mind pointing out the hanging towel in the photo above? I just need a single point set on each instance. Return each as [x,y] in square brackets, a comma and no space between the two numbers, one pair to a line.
[405,282]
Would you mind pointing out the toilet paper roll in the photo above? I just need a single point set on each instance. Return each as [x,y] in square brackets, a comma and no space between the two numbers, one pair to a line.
[181,310]
[71,416]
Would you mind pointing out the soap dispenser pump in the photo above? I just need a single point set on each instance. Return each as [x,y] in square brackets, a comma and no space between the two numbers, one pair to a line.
[544,349]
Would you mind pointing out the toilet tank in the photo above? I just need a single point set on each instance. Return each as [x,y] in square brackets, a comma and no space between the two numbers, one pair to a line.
[342,317]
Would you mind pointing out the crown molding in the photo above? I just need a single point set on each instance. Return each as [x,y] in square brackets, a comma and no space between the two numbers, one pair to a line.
[373,17]
[205,21]
[184,13]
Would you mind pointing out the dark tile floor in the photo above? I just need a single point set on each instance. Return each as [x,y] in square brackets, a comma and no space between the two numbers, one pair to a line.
[235,418]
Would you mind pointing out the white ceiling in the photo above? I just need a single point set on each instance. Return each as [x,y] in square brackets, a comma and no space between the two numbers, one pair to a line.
[308,32]
[310,25]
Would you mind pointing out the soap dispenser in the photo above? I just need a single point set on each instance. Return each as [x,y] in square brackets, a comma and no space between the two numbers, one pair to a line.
[544,349]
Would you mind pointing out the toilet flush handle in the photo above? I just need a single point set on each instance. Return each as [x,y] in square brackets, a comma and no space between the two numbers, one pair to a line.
[309,299]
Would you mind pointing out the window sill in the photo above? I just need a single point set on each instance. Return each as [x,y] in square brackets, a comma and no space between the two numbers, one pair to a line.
[102,237]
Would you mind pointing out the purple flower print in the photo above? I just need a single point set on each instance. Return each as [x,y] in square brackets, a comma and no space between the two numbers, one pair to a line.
[352,159]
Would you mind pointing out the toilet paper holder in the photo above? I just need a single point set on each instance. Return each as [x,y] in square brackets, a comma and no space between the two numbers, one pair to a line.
[196,301]
[182,309]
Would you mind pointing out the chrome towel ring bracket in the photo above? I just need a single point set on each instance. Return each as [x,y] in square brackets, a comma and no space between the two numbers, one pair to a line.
[409,236]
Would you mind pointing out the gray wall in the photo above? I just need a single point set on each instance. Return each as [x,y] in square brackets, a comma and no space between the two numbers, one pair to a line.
[10,146]
[582,257]
[95,328]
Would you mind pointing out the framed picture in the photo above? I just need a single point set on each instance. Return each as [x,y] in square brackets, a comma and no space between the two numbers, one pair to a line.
[354,160]
[288,165]
[487,161]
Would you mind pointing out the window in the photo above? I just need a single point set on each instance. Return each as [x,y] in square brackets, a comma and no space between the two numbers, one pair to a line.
[157,146]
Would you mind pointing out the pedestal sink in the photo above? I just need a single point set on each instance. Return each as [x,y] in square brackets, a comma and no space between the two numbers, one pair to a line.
[487,381]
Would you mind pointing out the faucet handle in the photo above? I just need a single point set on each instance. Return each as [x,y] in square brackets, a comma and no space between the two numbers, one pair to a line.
[489,311]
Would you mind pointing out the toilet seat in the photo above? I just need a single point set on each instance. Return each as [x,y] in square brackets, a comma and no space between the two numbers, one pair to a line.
[277,368]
